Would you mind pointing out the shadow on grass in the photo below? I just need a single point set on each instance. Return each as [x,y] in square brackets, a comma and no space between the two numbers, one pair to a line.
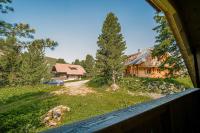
[23,97]
[23,113]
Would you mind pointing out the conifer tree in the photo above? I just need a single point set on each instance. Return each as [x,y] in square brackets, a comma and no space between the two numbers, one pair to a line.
[89,65]
[110,55]
[76,62]
[34,67]
[60,60]
[166,46]
[15,65]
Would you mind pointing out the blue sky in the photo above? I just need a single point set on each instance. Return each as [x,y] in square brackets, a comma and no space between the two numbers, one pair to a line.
[76,24]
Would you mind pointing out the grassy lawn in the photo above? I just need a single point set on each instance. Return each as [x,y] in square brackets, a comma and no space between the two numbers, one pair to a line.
[21,108]
[186,81]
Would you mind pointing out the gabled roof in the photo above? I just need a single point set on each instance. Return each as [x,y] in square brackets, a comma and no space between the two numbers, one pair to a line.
[69,69]
[144,56]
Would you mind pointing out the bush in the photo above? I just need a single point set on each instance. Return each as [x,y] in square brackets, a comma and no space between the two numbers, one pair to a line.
[164,86]
[97,82]
[132,83]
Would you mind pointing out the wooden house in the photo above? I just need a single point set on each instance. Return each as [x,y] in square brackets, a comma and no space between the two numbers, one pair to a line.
[68,71]
[142,64]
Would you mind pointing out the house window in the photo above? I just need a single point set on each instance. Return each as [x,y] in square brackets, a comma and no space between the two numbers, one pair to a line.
[148,71]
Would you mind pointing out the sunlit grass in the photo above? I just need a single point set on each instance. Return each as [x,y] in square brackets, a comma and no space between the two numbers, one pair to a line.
[21,108]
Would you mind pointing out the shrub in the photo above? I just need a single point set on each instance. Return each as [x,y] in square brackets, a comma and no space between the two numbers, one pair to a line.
[164,86]
[97,82]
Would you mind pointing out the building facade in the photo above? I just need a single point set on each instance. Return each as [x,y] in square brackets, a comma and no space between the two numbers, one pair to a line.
[142,64]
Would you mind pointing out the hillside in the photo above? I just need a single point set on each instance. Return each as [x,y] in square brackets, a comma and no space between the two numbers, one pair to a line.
[51,61]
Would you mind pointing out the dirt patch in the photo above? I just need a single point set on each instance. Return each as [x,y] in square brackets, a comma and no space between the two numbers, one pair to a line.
[80,91]
[75,88]
[152,95]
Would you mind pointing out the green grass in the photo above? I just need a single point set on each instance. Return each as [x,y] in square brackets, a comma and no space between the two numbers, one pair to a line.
[186,81]
[21,108]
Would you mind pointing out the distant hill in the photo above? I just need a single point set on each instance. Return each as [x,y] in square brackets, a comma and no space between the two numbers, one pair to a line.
[51,61]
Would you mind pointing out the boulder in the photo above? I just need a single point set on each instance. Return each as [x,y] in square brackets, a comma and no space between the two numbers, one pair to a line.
[53,116]
[114,87]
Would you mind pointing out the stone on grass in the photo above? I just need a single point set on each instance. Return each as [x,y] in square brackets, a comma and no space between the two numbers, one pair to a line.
[53,116]
[114,87]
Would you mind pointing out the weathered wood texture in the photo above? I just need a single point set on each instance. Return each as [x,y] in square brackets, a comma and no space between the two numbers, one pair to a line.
[175,113]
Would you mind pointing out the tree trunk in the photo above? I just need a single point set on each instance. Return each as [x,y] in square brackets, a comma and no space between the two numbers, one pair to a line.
[113,77]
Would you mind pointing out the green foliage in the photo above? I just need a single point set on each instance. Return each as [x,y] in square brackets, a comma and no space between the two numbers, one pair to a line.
[97,82]
[24,68]
[145,84]
[76,62]
[110,55]
[4,6]
[9,62]
[22,58]
[186,81]
[60,60]
[132,83]
[11,46]
[166,46]
[89,66]
[33,67]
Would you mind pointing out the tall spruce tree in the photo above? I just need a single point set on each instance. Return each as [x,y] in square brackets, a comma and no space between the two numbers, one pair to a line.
[166,46]
[89,65]
[110,55]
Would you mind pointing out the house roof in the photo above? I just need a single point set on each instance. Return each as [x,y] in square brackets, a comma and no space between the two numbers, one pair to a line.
[69,69]
[144,56]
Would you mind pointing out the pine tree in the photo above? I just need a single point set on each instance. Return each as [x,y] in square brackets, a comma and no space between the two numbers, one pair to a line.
[11,45]
[110,55]
[166,46]
[15,66]
[60,60]
[76,62]
[34,67]
[10,61]
[89,65]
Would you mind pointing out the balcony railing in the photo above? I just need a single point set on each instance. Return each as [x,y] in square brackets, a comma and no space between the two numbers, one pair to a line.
[176,113]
